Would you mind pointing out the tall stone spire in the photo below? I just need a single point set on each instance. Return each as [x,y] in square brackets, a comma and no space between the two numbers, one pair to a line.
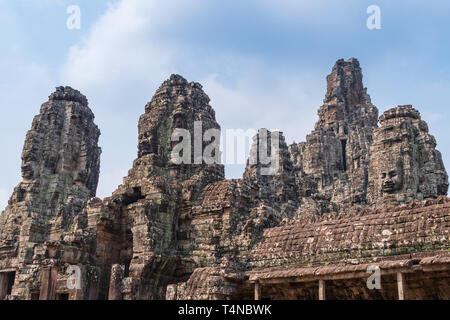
[346,102]
[332,164]
[177,104]
[153,205]
[405,164]
[60,170]
[63,141]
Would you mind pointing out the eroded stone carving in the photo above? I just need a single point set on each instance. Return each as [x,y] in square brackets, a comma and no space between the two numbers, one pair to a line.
[391,178]
[404,162]
[348,195]
[60,170]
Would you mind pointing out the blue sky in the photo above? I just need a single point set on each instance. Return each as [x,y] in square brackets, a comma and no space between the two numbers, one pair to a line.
[262,62]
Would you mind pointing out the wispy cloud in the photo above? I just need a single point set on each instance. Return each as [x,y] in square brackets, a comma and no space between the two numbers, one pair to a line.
[124,59]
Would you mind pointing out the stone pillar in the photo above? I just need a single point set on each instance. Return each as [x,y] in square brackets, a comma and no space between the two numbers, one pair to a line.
[48,284]
[3,285]
[115,284]
[321,289]
[257,291]
[401,285]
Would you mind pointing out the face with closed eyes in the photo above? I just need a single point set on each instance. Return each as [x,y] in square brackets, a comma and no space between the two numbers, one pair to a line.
[392,178]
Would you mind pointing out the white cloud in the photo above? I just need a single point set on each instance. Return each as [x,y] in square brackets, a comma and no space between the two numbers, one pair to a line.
[280,101]
[264,100]
[118,66]
[129,52]
[124,44]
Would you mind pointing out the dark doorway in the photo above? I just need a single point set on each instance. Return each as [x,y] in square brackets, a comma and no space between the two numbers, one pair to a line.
[344,154]
[11,278]
[126,273]
[62,296]
[35,296]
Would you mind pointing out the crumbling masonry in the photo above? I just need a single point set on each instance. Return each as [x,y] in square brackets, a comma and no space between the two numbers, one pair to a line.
[353,195]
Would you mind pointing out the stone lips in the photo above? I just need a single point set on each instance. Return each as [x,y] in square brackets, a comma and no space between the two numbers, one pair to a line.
[181,231]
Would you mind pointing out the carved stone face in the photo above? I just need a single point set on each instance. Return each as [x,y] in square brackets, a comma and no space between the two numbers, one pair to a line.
[27,171]
[148,142]
[392,178]
[28,164]
[179,122]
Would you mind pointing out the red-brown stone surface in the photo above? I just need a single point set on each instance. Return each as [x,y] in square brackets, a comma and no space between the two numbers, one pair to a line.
[352,195]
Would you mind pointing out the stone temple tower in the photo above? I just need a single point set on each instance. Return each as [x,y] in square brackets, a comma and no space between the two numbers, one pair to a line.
[60,170]
[312,217]
[405,164]
[332,163]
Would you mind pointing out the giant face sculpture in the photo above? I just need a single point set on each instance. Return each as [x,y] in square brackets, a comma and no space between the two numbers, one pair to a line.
[179,122]
[28,163]
[391,177]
